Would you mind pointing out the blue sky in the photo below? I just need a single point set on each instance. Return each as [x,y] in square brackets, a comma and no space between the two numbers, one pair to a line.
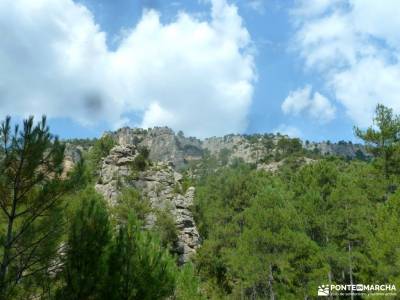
[311,69]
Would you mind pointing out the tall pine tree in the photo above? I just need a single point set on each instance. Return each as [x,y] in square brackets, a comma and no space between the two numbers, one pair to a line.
[138,266]
[86,249]
[31,189]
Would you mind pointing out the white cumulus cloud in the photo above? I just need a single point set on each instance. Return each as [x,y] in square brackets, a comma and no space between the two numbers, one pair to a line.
[355,46]
[314,104]
[288,130]
[190,74]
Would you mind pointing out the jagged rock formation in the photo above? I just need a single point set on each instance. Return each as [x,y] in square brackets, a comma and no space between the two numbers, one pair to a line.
[163,143]
[159,183]
[115,168]
[252,148]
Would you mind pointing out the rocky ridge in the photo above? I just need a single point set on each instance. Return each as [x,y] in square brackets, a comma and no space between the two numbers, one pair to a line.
[165,145]
[344,149]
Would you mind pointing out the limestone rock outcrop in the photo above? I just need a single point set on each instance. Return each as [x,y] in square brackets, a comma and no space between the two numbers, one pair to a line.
[159,184]
[163,143]
[115,168]
[167,146]
[344,149]
[238,147]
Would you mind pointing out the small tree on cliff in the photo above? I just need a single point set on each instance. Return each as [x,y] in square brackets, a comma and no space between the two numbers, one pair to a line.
[31,187]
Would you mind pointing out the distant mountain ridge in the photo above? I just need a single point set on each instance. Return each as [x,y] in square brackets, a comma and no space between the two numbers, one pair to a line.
[166,145]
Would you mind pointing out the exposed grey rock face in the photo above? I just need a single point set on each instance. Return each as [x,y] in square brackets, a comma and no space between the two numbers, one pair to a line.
[158,184]
[237,146]
[72,155]
[270,167]
[252,151]
[341,149]
[189,238]
[274,166]
[114,169]
[163,143]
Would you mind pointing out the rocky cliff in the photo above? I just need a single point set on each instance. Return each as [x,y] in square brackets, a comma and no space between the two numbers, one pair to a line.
[159,183]
[165,145]
[344,149]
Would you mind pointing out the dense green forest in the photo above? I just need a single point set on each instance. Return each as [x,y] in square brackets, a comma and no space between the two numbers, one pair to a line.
[265,235]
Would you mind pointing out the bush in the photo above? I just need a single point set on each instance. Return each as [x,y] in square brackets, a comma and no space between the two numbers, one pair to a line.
[100,149]
[165,227]
[130,202]
[188,284]
[141,161]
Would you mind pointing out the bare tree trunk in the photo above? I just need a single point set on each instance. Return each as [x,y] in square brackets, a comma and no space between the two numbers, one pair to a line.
[329,272]
[350,270]
[270,283]
[330,281]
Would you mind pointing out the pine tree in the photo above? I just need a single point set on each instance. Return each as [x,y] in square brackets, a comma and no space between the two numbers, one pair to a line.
[383,141]
[382,246]
[312,187]
[100,149]
[139,268]
[274,257]
[349,222]
[86,249]
[31,189]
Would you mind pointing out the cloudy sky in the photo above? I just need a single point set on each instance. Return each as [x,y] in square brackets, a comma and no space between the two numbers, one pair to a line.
[308,68]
